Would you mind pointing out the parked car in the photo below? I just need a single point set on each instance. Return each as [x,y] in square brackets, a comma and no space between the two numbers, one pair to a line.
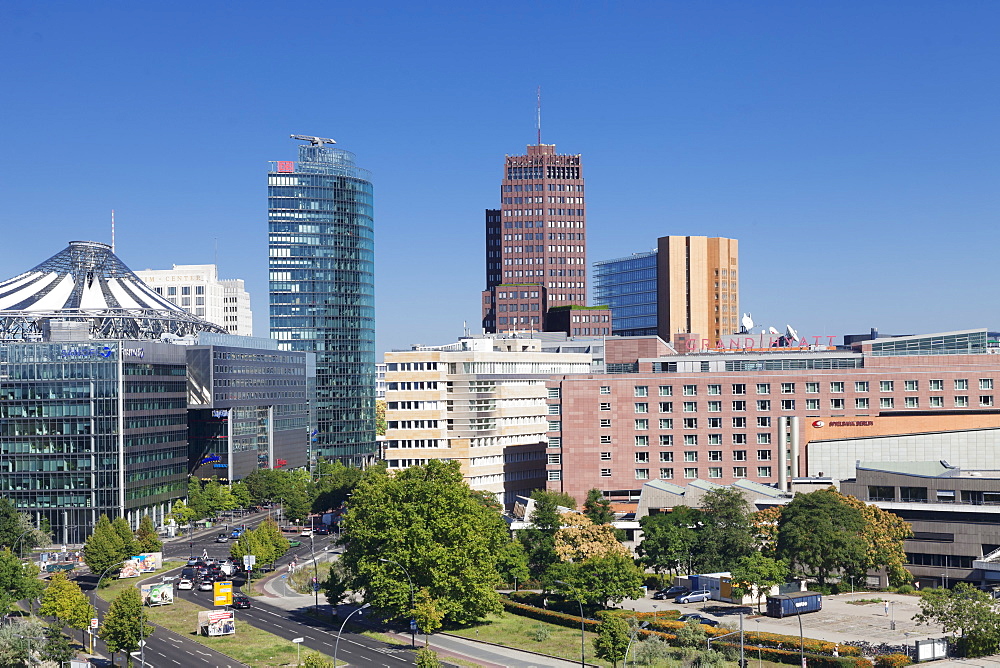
[222,538]
[185,583]
[241,600]
[206,585]
[695,597]
[321,531]
[671,592]
[701,619]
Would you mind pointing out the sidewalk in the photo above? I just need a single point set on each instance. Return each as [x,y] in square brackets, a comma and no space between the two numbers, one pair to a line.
[275,592]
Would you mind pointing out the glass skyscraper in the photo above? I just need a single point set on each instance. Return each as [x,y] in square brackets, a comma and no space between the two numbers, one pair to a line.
[628,286]
[322,289]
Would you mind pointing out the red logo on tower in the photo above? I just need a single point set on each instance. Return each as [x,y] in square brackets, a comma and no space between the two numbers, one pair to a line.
[818,424]
[286,166]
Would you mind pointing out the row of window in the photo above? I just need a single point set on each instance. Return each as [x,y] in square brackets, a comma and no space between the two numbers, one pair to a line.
[763,405]
[690,473]
[539,187]
[692,456]
[185,290]
[836,387]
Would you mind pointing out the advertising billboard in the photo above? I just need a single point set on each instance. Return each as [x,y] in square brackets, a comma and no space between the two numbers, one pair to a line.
[223,593]
[216,622]
[147,562]
[161,593]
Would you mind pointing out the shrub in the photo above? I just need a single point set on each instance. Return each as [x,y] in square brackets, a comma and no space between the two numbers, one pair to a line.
[905,589]
[427,658]
[652,650]
[710,659]
[540,633]
[892,661]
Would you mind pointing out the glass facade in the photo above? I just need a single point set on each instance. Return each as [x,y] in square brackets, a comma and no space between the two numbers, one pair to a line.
[628,286]
[322,291]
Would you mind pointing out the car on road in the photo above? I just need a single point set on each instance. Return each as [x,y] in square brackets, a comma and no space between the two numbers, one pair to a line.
[306,533]
[701,619]
[694,596]
[241,600]
[671,592]
[222,538]
[321,531]
[185,583]
[206,585]
[294,543]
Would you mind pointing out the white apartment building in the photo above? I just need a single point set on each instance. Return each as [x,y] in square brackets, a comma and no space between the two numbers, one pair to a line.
[198,289]
[480,401]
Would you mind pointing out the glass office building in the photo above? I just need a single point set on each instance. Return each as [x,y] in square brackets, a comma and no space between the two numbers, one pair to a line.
[322,289]
[627,286]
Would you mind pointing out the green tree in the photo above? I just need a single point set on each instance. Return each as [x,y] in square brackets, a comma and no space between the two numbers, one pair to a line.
[669,538]
[335,482]
[426,519]
[240,494]
[819,534]
[130,545]
[598,508]
[196,498]
[725,534]
[17,531]
[250,543]
[539,537]
[612,638]
[104,548]
[126,623]
[884,534]
[274,542]
[964,610]
[214,499]
[182,514]
[427,614]
[57,647]
[596,581]
[512,562]
[146,536]
[692,634]
[337,584]
[17,649]
[296,503]
[427,658]
[315,660]
[267,485]
[380,423]
[755,574]
[18,580]
[64,600]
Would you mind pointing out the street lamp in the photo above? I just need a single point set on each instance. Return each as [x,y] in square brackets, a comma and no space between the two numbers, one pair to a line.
[582,633]
[315,575]
[635,632]
[16,540]
[802,642]
[413,607]
[760,660]
[336,646]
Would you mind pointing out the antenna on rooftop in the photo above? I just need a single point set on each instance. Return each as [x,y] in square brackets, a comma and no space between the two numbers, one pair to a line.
[112,231]
[538,115]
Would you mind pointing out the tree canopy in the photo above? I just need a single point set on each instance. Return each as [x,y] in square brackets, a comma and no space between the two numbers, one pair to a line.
[598,508]
[18,580]
[820,535]
[126,623]
[965,610]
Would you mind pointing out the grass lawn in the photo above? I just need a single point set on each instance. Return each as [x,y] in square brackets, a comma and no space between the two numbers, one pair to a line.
[518,632]
[249,645]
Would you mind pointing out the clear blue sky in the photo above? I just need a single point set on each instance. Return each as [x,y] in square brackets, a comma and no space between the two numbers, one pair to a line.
[851,147]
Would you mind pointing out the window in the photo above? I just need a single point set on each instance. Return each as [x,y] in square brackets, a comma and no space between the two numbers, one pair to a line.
[605,389]
[171,290]
[690,406]
[666,439]
[912,402]
[605,456]
[605,473]
[861,403]
[555,425]
[715,439]
[961,384]
[666,423]
[666,456]
[911,385]
[936,402]
[985,383]
[812,404]
[690,390]
[788,388]
[185,301]
[763,455]
[641,391]
[739,423]
[886,386]
[641,408]
[642,458]
[641,441]
[666,390]
[641,424]
[691,439]
[739,388]
[199,301]
[186,290]
[739,472]
[885,402]
[605,405]
[812,388]
[555,475]
[690,473]
[199,289]
[606,438]
[715,455]
[763,388]
[935,385]
[788,404]
[763,471]
[714,390]
[763,439]
[714,471]
[763,404]
[666,407]
[836,404]
[986,400]
[605,422]
[763,422]
[714,406]
[881,493]
[861,386]
[690,423]
[642,474]
[739,439]
[961,401]
[555,459]
[554,409]
[837,386]
[666,474]
[739,406]
[715,423]
[739,455]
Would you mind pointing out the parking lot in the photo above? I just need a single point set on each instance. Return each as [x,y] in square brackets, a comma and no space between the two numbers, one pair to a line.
[838,621]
